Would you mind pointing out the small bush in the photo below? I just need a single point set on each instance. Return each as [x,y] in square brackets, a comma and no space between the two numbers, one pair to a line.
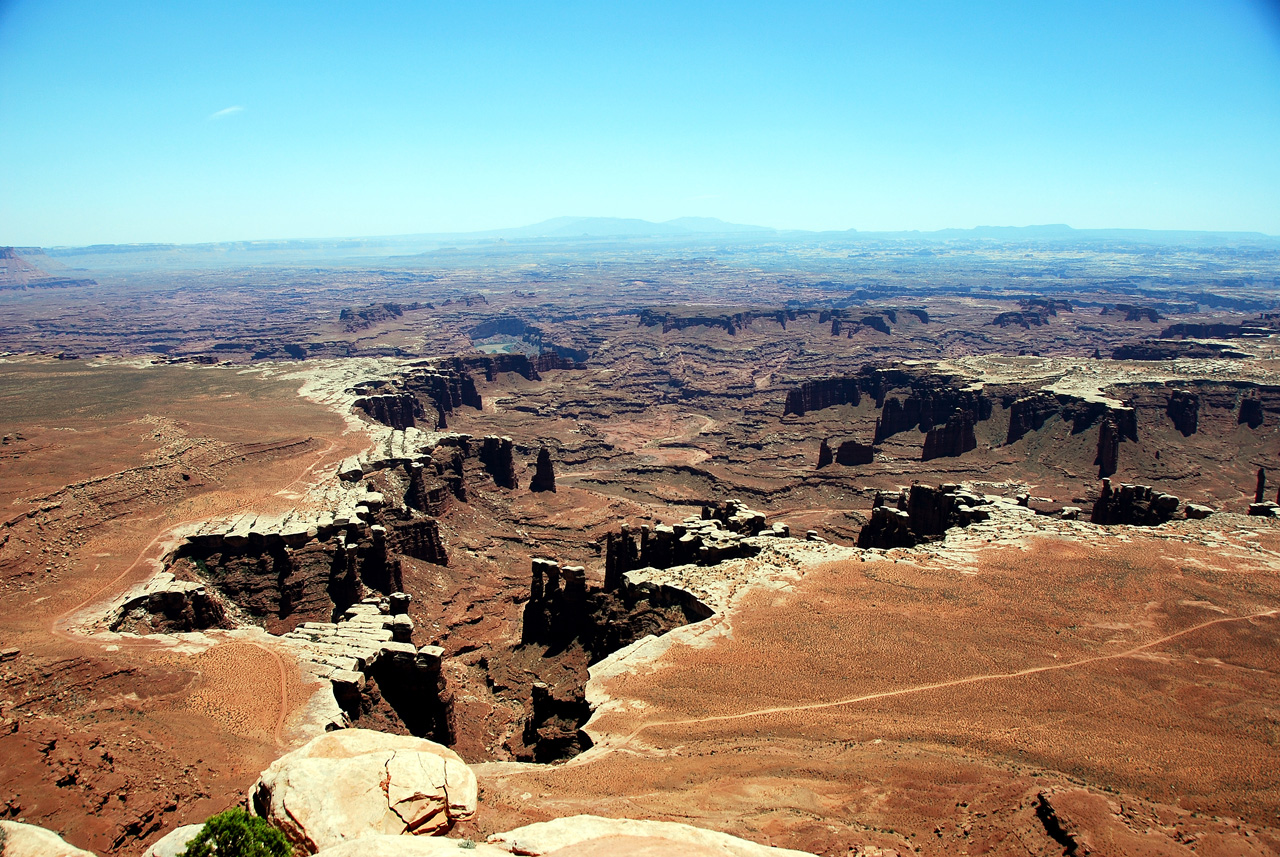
[236,833]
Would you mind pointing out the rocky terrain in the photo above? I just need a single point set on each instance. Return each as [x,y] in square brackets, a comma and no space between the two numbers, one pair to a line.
[850,566]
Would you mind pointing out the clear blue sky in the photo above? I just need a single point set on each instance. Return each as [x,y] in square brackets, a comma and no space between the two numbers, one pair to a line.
[190,121]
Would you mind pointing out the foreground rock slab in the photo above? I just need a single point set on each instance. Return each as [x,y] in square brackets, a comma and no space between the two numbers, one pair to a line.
[27,840]
[350,783]
[174,842]
[583,835]
[383,845]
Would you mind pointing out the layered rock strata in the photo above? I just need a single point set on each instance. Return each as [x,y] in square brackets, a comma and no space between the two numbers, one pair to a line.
[372,643]
[951,440]
[167,605]
[719,534]
[397,410]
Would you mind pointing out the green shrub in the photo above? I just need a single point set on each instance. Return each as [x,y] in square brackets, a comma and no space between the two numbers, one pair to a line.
[236,833]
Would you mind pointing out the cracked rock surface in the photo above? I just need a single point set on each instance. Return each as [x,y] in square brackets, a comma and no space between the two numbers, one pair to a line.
[355,782]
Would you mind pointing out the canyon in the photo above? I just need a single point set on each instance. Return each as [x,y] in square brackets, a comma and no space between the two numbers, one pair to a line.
[855,566]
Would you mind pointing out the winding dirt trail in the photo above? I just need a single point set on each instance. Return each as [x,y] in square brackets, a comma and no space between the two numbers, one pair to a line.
[60,626]
[284,691]
[608,747]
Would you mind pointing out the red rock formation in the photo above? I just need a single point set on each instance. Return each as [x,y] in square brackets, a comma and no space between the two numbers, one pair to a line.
[1138,505]
[1251,413]
[1184,410]
[498,456]
[427,491]
[398,410]
[851,453]
[824,454]
[1108,457]
[822,393]
[544,477]
[419,538]
[929,405]
[1028,414]
[955,438]
[919,514]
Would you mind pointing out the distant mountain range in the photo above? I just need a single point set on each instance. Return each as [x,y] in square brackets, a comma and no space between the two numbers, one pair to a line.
[610,227]
[569,230]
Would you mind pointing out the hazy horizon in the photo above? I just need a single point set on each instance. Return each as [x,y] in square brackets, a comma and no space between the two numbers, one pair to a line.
[213,122]
[597,228]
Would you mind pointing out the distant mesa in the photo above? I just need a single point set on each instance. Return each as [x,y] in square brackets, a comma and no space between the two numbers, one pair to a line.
[29,268]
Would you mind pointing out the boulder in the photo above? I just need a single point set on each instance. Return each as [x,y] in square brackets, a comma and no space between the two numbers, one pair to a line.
[27,840]
[384,845]
[353,782]
[174,842]
[583,835]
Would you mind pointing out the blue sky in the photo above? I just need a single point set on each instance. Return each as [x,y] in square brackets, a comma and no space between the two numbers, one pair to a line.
[193,121]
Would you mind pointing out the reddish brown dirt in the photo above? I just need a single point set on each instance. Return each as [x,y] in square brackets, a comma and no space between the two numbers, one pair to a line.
[113,745]
[913,706]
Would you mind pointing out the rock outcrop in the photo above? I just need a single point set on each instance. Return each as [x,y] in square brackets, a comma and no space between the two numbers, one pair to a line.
[1250,412]
[167,605]
[582,835]
[497,454]
[354,782]
[951,440]
[822,393]
[562,611]
[1025,319]
[1214,330]
[1108,455]
[719,534]
[1134,312]
[397,410]
[680,318]
[849,453]
[849,321]
[311,565]
[354,320]
[1135,505]
[174,842]
[1175,349]
[825,456]
[852,453]
[28,840]
[446,384]
[370,650]
[544,475]
[283,579]
[1028,414]
[384,845]
[1184,410]
[929,404]
[918,514]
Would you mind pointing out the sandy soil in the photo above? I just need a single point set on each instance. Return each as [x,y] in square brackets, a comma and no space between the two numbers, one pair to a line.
[921,707]
[130,735]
